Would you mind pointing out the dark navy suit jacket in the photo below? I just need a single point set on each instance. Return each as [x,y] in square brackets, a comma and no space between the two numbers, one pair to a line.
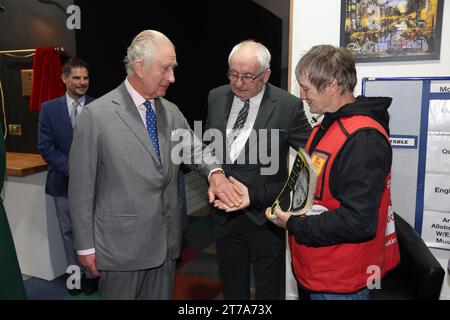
[54,141]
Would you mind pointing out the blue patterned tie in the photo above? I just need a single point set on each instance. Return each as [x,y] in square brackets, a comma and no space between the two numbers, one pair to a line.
[150,120]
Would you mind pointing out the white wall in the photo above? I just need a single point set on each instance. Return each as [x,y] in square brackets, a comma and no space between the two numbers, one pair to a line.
[314,23]
[318,22]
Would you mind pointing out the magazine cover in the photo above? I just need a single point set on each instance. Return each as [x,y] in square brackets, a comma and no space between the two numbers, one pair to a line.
[297,194]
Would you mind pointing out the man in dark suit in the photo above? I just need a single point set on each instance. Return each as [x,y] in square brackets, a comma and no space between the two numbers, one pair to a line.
[250,107]
[56,121]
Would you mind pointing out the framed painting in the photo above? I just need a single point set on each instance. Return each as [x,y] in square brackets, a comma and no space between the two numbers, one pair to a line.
[392,30]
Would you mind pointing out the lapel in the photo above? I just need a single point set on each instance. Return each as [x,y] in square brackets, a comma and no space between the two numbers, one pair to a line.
[64,117]
[128,113]
[265,109]
[223,120]
[88,100]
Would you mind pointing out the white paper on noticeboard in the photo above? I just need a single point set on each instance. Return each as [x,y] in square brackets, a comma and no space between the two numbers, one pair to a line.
[439,116]
[438,153]
[437,192]
[436,229]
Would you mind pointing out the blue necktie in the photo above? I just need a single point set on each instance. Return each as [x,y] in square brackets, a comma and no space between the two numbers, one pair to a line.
[150,120]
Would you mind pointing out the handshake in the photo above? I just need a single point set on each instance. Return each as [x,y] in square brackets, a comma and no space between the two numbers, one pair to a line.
[231,195]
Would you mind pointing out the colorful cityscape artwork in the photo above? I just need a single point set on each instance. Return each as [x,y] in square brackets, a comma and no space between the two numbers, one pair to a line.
[392,30]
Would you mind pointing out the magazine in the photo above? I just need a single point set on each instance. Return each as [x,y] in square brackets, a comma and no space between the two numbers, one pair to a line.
[297,194]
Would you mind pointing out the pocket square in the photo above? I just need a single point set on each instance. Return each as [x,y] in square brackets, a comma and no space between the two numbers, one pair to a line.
[174,131]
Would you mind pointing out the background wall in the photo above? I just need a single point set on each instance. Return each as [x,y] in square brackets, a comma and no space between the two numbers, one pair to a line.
[28,24]
[281,8]
[314,24]
[203,34]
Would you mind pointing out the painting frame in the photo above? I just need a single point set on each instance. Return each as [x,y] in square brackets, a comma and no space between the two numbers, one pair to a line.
[396,30]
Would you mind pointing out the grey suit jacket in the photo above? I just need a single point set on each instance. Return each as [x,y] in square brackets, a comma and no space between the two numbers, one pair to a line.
[121,197]
[278,110]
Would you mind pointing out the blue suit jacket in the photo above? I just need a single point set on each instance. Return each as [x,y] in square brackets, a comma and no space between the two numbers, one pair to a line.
[54,141]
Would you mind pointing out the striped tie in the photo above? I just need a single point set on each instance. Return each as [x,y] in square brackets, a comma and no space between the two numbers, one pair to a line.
[74,112]
[239,124]
[150,120]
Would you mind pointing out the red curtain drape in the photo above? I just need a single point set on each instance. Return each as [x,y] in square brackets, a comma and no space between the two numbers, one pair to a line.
[47,82]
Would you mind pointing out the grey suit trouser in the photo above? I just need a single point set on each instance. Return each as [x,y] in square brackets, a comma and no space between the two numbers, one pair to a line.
[65,226]
[148,284]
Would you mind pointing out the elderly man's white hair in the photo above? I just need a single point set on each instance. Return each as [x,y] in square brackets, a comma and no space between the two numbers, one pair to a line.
[261,53]
[143,48]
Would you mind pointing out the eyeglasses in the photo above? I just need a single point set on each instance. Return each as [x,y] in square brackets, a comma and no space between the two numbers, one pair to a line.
[245,78]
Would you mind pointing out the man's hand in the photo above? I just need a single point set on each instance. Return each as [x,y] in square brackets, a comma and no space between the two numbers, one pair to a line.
[278,217]
[245,198]
[220,187]
[88,262]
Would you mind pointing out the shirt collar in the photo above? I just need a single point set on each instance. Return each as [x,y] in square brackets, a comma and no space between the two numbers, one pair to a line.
[70,100]
[135,96]
[256,100]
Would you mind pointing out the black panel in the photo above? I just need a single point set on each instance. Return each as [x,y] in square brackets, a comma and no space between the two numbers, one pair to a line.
[17,107]
[202,32]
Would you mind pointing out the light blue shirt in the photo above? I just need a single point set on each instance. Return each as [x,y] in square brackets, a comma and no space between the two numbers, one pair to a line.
[70,103]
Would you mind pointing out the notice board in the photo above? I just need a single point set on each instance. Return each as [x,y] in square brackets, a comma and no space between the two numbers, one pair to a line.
[420,139]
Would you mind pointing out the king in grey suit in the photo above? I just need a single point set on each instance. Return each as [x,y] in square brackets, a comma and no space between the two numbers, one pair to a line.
[245,237]
[126,225]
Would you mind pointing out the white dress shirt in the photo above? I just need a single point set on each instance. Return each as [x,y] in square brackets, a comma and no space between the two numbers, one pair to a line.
[243,135]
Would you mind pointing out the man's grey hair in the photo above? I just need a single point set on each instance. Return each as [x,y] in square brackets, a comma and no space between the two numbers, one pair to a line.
[323,63]
[143,48]
[261,52]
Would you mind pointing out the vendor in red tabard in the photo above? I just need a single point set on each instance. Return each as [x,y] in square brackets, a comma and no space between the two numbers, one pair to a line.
[350,229]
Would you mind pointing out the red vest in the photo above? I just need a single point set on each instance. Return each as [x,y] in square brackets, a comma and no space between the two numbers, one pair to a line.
[346,267]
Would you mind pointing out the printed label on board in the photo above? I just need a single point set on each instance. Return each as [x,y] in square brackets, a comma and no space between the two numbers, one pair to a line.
[440,87]
[436,229]
[408,142]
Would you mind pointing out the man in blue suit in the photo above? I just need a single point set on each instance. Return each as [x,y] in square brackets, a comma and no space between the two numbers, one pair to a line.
[56,122]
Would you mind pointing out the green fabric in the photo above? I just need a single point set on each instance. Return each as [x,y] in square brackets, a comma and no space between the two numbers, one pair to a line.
[11,283]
